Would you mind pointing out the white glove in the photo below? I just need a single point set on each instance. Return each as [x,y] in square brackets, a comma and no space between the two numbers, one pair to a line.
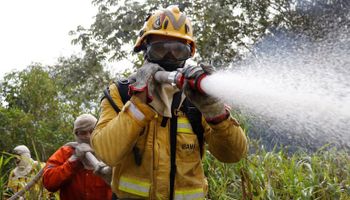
[80,151]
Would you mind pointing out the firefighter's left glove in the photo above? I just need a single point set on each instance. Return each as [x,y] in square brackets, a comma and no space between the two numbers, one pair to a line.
[80,150]
[212,108]
[143,80]
[103,171]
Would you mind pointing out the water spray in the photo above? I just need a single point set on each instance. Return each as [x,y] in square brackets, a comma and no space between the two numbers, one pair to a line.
[293,92]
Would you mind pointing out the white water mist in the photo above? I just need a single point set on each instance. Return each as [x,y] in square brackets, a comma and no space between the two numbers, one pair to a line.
[302,89]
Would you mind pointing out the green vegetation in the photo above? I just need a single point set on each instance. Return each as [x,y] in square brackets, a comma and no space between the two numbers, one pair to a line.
[324,174]
[4,172]
[38,104]
[275,175]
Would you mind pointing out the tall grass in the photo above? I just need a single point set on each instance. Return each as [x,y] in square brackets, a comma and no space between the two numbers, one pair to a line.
[324,174]
[5,169]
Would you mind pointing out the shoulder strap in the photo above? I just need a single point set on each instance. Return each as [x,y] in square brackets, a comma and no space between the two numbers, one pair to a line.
[173,132]
[110,100]
[123,87]
[195,118]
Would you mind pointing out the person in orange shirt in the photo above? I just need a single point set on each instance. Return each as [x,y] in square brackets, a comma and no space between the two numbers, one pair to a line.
[68,171]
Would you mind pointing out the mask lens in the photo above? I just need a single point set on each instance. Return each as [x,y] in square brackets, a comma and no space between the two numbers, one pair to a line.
[181,52]
[157,51]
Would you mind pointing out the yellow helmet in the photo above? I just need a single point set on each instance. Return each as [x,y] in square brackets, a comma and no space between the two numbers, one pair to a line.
[167,22]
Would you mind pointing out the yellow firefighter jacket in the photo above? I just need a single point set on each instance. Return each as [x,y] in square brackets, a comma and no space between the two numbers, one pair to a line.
[138,125]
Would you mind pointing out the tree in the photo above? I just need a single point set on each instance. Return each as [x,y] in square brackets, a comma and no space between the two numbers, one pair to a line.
[32,114]
[80,82]
[40,103]
[15,124]
[224,29]
[31,90]
[319,18]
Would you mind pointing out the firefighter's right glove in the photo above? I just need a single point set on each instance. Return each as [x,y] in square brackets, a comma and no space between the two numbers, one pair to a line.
[212,108]
[80,151]
[143,80]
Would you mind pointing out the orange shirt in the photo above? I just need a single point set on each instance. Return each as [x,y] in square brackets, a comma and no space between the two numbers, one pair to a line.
[72,180]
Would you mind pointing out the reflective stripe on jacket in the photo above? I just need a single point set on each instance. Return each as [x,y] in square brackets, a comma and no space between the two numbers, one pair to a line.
[116,135]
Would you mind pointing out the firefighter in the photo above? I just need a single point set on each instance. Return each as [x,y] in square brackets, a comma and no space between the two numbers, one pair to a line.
[68,170]
[24,172]
[155,140]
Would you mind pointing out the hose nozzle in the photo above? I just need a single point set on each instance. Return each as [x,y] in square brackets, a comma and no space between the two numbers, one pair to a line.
[178,79]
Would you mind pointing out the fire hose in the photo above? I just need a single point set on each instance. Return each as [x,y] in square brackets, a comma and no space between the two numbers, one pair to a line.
[88,155]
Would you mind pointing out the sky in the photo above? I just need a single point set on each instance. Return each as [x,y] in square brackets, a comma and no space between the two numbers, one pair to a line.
[37,30]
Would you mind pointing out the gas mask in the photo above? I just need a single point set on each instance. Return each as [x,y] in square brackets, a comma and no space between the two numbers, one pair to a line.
[168,54]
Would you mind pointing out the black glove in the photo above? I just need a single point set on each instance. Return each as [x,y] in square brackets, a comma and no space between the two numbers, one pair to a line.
[212,108]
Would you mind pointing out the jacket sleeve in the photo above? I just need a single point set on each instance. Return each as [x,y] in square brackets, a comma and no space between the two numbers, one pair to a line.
[58,169]
[226,140]
[116,133]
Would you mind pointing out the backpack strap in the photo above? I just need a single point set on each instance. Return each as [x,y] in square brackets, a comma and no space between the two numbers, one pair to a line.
[195,118]
[123,87]
[173,132]
[110,100]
